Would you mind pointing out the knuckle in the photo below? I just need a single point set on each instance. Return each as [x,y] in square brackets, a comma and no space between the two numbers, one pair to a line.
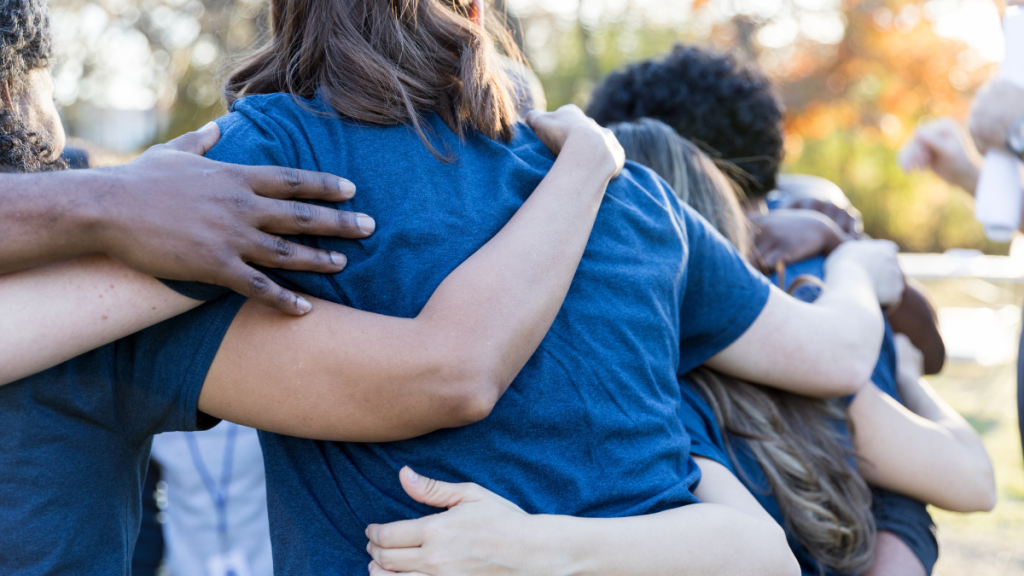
[303,214]
[242,202]
[282,248]
[258,283]
[290,179]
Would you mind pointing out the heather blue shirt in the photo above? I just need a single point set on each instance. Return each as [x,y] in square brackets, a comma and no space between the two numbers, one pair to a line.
[905,517]
[76,440]
[590,426]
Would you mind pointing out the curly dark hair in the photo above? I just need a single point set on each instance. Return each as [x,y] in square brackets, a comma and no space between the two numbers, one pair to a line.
[26,44]
[722,104]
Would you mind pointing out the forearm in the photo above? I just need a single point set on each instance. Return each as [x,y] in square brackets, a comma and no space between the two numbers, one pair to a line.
[924,450]
[47,217]
[493,311]
[698,539]
[915,318]
[825,349]
[53,313]
[347,375]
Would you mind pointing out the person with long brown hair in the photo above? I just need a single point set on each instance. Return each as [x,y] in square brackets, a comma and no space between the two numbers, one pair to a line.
[405,99]
[793,453]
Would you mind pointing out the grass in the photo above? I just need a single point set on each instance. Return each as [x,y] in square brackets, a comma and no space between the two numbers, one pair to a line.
[984,544]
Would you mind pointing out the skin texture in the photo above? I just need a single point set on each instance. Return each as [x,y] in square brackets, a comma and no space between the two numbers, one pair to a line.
[484,534]
[997,105]
[173,214]
[828,348]
[939,458]
[338,373]
[790,235]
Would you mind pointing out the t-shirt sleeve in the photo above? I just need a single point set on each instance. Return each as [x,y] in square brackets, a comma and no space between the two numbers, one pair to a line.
[723,297]
[909,520]
[699,420]
[160,371]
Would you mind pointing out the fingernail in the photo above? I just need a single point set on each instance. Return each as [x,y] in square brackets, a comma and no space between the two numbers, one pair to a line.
[414,478]
[303,304]
[347,188]
[366,224]
[208,126]
[339,259]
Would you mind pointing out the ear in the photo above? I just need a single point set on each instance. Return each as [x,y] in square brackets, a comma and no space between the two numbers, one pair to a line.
[476,12]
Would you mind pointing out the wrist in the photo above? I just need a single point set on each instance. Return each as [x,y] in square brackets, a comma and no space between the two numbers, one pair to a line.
[590,150]
[98,220]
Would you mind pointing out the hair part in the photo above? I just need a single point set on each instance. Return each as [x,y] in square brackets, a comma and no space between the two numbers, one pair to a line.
[387,62]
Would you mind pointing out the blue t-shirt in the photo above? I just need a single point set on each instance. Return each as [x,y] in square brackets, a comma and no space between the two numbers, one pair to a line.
[590,426]
[76,440]
[905,517]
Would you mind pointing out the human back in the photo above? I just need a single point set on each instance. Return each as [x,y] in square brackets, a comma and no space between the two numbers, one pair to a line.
[601,388]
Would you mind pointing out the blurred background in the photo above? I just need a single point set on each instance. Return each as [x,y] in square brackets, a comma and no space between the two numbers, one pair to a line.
[856,77]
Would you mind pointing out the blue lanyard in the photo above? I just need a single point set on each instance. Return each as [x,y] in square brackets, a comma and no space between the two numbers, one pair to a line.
[219,494]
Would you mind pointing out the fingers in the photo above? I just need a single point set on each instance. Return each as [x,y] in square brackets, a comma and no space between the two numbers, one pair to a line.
[398,534]
[254,284]
[276,252]
[198,142]
[287,217]
[396,559]
[290,183]
[376,570]
[436,493]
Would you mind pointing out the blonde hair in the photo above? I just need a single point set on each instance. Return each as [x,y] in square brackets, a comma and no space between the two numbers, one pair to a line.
[806,458]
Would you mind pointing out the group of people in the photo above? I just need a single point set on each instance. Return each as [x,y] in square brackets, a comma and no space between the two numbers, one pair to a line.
[617,342]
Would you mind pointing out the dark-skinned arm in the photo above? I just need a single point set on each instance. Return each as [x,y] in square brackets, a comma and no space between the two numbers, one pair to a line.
[915,317]
[173,214]
[342,374]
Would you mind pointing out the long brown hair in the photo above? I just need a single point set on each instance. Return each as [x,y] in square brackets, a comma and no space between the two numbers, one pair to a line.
[806,458]
[386,62]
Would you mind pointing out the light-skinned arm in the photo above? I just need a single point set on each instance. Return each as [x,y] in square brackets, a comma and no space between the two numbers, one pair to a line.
[482,534]
[924,449]
[342,374]
[827,348]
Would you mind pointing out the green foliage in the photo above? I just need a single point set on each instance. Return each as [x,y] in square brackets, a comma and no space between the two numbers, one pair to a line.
[919,212]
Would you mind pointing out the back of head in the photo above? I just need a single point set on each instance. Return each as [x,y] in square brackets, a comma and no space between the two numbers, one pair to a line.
[387,62]
[26,45]
[693,176]
[718,102]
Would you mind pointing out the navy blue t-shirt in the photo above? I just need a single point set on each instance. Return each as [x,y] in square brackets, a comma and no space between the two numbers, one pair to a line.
[590,426]
[76,441]
[905,517]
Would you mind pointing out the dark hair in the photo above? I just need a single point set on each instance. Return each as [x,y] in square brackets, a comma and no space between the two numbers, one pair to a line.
[386,62]
[805,457]
[715,100]
[26,44]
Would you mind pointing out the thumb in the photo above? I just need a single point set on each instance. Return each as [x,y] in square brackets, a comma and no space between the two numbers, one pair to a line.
[434,492]
[197,142]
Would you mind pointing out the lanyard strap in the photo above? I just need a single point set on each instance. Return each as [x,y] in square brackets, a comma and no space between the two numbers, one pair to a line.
[219,494]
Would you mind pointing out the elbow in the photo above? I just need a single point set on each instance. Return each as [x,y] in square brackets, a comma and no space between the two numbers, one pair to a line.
[777,556]
[982,497]
[473,395]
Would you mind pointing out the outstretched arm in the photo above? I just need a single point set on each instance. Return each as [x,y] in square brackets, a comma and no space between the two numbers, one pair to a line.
[342,374]
[482,534]
[828,348]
